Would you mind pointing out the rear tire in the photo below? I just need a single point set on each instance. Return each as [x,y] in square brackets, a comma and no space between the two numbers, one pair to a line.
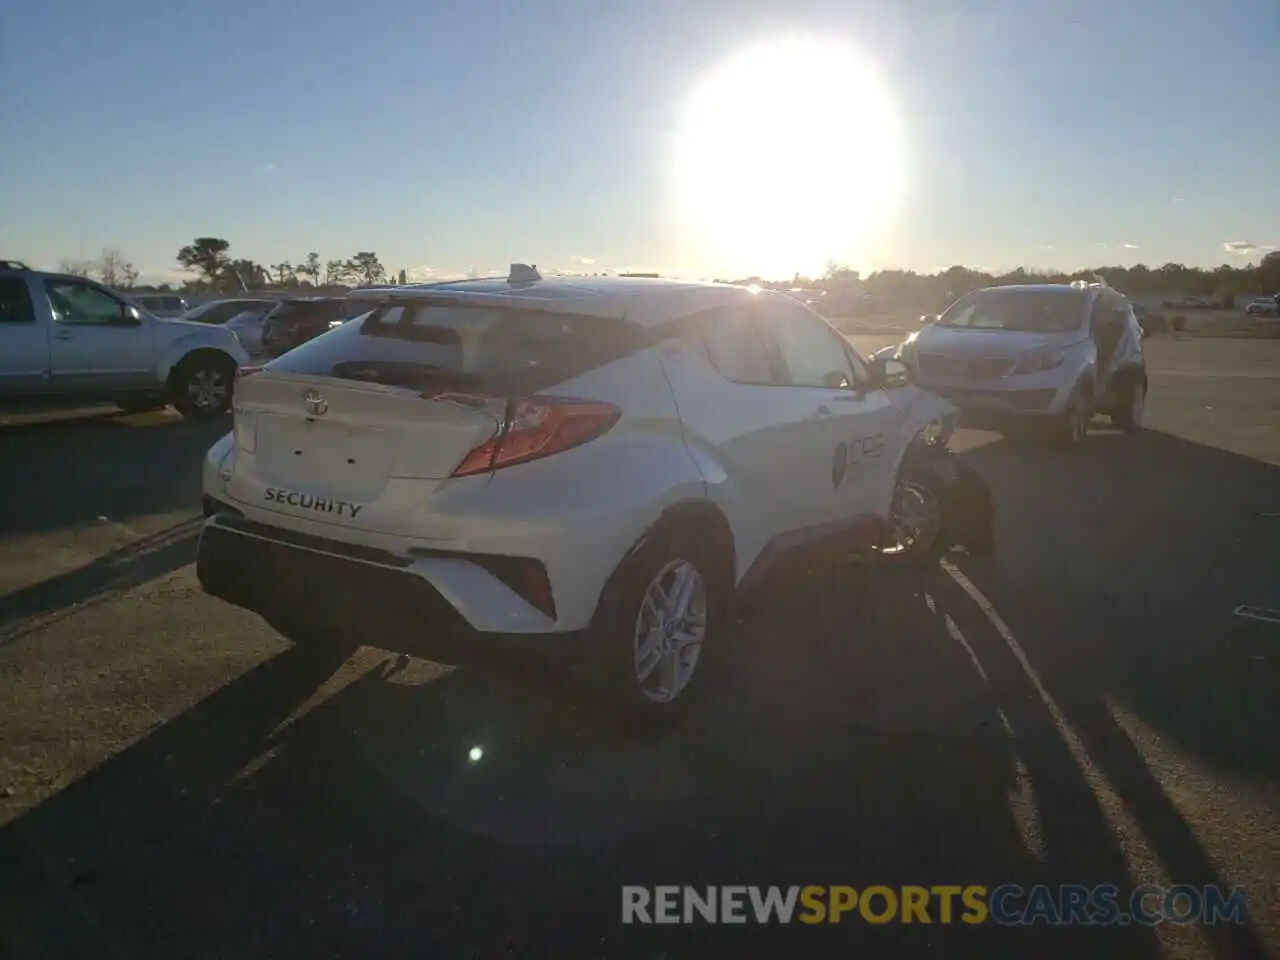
[201,386]
[650,656]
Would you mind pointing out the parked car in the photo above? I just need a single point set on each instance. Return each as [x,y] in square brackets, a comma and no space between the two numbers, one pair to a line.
[295,321]
[166,305]
[220,311]
[1054,354]
[590,468]
[68,338]
[248,327]
[1263,306]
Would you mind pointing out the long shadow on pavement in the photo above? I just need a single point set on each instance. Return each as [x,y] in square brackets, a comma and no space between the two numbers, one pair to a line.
[1124,603]
[69,472]
[412,813]
[145,559]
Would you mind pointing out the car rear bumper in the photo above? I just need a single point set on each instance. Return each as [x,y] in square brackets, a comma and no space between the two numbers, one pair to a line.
[362,595]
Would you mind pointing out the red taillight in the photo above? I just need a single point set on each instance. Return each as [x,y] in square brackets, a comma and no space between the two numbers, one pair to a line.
[539,427]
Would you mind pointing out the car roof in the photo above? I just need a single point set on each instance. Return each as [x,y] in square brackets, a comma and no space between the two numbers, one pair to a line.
[644,301]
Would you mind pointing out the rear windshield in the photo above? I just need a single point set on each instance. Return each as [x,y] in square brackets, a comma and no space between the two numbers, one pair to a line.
[1041,311]
[460,348]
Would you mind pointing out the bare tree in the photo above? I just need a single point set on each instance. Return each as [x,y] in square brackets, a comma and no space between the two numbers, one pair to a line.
[111,266]
[128,275]
[76,268]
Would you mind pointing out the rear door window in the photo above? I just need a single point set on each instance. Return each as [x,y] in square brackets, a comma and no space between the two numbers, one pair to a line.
[462,347]
[15,301]
[735,347]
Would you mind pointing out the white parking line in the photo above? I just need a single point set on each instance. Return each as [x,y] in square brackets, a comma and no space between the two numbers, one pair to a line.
[1265,614]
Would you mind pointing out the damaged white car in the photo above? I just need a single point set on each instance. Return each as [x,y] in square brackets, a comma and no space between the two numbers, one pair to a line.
[594,468]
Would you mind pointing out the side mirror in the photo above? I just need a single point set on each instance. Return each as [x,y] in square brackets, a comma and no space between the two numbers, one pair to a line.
[887,373]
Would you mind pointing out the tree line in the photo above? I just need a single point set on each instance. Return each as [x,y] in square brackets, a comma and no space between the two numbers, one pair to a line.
[210,259]
[936,290]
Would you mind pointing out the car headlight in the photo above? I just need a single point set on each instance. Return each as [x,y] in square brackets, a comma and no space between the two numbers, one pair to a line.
[1035,362]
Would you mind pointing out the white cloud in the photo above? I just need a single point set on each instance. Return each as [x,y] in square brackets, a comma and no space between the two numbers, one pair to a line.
[1179,199]
[1048,246]
[1241,248]
[422,273]
[585,261]
[1130,246]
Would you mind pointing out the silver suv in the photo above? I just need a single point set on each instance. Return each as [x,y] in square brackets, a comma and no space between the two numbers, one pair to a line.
[1052,353]
[65,338]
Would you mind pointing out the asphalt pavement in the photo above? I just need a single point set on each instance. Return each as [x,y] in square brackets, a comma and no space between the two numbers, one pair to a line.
[1085,706]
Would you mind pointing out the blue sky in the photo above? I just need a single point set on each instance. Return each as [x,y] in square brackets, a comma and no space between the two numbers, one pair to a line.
[458,136]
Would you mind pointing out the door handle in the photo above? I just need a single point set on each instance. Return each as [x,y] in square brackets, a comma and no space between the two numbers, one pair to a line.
[820,414]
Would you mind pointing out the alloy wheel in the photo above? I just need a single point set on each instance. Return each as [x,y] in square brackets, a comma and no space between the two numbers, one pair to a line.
[669,631]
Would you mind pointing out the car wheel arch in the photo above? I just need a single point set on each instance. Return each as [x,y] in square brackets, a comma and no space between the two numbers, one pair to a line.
[195,355]
[681,516]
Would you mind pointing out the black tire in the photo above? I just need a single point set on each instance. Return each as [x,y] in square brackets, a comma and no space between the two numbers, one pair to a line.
[613,663]
[1132,403]
[200,387]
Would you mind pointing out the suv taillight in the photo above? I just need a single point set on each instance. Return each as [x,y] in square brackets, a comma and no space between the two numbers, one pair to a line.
[537,428]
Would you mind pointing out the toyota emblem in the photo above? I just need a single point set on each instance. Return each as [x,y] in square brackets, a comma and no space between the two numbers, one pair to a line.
[315,403]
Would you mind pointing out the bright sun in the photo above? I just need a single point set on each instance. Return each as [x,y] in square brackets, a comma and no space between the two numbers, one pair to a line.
[788,155]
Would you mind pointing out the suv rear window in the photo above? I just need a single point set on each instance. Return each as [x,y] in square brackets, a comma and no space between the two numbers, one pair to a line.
[1011,308]
[460,347]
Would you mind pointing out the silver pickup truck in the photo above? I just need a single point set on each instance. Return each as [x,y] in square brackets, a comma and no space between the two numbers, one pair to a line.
[65,338]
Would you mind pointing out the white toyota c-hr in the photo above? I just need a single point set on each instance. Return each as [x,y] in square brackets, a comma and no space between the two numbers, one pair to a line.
[592,467]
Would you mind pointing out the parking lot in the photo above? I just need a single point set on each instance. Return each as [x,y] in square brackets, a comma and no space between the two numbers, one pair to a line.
[1081,707]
